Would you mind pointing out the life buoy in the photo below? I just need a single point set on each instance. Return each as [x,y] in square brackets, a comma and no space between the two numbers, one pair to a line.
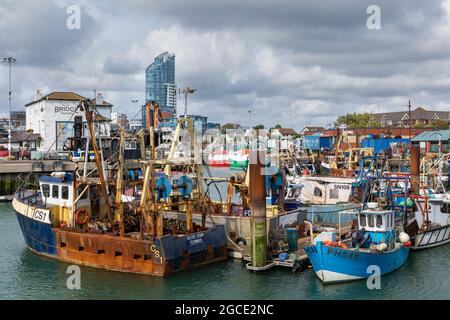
[343,246]
[81,213]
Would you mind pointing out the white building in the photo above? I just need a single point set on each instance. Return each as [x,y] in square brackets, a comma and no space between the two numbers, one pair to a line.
[120,119]
[136,124]
[52,116]
[171,97]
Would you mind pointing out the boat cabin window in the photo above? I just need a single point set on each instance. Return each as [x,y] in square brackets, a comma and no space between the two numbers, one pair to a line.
[65,193]
[46,190]
[379,221]
[387,221]
[445,208]
[130,145]
[370,219]
[362,220]
[291,193]
[55,191]
[317,192]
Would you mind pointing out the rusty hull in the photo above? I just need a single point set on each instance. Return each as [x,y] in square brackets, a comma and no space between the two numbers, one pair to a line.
[126,254]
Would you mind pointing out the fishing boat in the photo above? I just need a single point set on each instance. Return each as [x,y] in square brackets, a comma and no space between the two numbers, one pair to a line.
[79,218]
[235,212]
[375,243]
[430,225]
[426,213]
[325,190]
[431,228]
[218,159]
[238,158]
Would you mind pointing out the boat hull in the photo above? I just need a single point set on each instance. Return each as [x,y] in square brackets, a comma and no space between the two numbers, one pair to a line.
[431,238]
[332,264]
[240,226]
[238,164]
[161,257]
[219,164]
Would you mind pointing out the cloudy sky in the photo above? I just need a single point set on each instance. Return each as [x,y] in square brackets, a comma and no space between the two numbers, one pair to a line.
[291,62]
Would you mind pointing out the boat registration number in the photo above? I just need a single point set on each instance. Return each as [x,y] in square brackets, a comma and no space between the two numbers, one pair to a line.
[342,187]
[343,253]
[40,215]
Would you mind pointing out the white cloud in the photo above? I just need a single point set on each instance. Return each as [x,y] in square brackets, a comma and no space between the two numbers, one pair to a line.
[294,63]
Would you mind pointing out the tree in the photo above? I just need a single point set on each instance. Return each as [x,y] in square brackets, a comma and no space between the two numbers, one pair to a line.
[357,120]
[259,127]
[229,126]
[441,124]
[278,126]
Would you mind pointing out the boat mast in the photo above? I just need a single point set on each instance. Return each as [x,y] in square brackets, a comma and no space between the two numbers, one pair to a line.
[119,184]
[149,205]
[157,210]
[86,105]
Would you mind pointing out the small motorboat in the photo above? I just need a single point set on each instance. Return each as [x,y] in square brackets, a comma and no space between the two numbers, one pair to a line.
[375,244]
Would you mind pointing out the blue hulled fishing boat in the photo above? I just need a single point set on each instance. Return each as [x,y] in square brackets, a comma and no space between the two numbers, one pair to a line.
[374,245]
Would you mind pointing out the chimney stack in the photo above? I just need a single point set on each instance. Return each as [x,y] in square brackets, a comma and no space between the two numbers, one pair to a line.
[38,95]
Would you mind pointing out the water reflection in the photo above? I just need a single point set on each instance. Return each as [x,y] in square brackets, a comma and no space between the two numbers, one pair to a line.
[24,275]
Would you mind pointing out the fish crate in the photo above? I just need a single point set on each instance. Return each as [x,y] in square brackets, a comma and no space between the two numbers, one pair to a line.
[278,240]
[279,247]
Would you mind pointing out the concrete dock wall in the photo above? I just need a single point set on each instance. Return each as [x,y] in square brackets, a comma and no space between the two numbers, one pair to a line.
[14,172]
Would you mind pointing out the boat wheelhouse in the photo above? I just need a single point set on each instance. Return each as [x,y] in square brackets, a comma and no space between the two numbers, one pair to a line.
[326,190]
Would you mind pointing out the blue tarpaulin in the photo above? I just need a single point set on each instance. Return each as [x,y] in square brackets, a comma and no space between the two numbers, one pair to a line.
[326,142]
[311,142]
[381,144]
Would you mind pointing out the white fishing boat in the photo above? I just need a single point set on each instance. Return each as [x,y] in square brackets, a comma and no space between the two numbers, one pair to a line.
[432,228]
[325,190]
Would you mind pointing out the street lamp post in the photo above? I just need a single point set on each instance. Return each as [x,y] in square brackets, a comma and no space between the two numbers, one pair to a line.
[409,119]
[10,61]
[186,91]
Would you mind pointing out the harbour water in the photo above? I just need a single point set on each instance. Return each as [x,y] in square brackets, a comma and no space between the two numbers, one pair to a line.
[23,275]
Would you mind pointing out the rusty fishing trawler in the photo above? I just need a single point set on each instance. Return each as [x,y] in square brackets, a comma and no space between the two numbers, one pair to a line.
[88,218]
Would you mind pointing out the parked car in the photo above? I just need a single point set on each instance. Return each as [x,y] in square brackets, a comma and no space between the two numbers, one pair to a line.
[4,154]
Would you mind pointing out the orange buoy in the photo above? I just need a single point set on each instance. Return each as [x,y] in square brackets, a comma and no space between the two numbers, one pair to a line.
[81,217]
[343,245]
[407,244]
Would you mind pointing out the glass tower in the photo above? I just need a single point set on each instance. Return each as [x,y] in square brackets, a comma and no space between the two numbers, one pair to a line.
[160,82]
